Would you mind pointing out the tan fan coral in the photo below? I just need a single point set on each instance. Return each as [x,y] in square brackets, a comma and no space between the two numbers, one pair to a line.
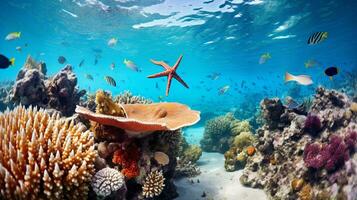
[43,156]
[154,184]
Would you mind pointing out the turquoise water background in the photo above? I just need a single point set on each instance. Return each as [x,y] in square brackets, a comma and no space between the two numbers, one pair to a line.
[222,36]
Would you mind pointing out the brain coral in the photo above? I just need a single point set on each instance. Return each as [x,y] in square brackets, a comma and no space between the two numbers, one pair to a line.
[106,181]
[43,156]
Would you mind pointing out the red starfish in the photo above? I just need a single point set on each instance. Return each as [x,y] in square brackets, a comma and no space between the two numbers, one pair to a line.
[170,72]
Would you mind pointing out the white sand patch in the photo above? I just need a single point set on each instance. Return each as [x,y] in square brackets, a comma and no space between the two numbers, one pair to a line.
[216,183]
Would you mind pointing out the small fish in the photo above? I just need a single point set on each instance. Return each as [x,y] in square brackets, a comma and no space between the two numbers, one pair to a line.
[18,48]
[61,60]
[81,63]
[223,90]
[156,85]
[112,42]
[13,36]
[264,57]
[160,98]
[214,76]
[89,77]
[317,38]
[131,65]
[301,79]
[331,71]
[5,62]
[95,61]
[97,50]
[112,66]
[310,63]
[110,81]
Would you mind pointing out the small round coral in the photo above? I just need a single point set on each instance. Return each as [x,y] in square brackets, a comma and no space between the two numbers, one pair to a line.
[106,181]
[250,150]
[154,184]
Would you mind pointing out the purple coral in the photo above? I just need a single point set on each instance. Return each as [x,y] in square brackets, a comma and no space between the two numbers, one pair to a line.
[336,153]
[330,156]
[312,124]
[312,156]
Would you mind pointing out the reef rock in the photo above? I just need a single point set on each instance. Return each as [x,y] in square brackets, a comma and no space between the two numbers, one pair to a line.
[291,162]
[32,87]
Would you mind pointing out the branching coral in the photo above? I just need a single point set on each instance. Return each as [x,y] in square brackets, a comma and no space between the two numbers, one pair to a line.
[106,181]
[154,184]
[128,158]
[128,98]
[43,156]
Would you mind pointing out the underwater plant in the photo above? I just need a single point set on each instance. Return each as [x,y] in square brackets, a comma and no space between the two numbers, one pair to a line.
[44,156]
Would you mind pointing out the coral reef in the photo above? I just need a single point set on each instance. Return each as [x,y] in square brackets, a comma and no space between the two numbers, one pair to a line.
[5,95]
[106,181]
[147,161]
[32,87]
[240,150]
[217,133]
[186,168]
[43,156]
[127,97]
[301,158]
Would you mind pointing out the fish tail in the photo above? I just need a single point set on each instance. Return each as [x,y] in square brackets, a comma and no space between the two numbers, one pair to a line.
[18,34]
[288,77]
[325,35]
[12,61]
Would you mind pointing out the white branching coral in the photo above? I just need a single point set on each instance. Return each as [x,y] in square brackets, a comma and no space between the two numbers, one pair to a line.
[154,184]
[43,156]
[106,181]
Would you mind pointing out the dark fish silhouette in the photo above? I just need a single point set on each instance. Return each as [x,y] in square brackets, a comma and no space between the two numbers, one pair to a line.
[61,60]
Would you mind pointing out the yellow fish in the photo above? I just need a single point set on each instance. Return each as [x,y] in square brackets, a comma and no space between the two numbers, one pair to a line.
[264,58]
[13,36]
[300,79]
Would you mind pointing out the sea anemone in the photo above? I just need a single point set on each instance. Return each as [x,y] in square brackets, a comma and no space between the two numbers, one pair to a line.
[43,156]
[312,124]
[154,184]
[106,181]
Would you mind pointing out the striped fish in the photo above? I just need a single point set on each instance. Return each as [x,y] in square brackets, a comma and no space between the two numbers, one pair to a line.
[317,37]
[110,81]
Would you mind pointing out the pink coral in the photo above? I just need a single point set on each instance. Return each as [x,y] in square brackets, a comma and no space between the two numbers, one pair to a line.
[351,140]
[312,156]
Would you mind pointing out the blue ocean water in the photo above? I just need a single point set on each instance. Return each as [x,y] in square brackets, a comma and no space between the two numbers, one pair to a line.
[226,37]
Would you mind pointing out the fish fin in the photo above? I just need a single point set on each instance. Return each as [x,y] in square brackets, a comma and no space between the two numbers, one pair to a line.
[331,78]
[288,77]
[12,61]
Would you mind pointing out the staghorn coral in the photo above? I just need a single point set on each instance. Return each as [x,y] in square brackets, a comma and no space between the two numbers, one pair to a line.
[106,181]
[43,156]
[127,97]
[217,134]
[153,184]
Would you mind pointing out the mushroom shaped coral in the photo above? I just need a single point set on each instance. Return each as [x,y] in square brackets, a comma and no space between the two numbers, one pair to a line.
[106,181]
[143,118]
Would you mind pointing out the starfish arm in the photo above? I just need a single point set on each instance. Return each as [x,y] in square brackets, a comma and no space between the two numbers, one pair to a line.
[161,63]
[169,78]
[179,79]
[177,63]
[164,73]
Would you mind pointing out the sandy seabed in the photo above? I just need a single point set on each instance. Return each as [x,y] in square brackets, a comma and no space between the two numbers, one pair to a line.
[216,183]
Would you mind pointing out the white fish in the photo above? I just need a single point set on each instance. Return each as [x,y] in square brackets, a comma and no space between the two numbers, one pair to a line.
[112,42]
[131,65]
[13,36]
[301,79]
[72,14]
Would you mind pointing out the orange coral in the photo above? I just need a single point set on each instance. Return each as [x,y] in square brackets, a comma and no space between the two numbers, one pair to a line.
[128,159]
[250,150]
